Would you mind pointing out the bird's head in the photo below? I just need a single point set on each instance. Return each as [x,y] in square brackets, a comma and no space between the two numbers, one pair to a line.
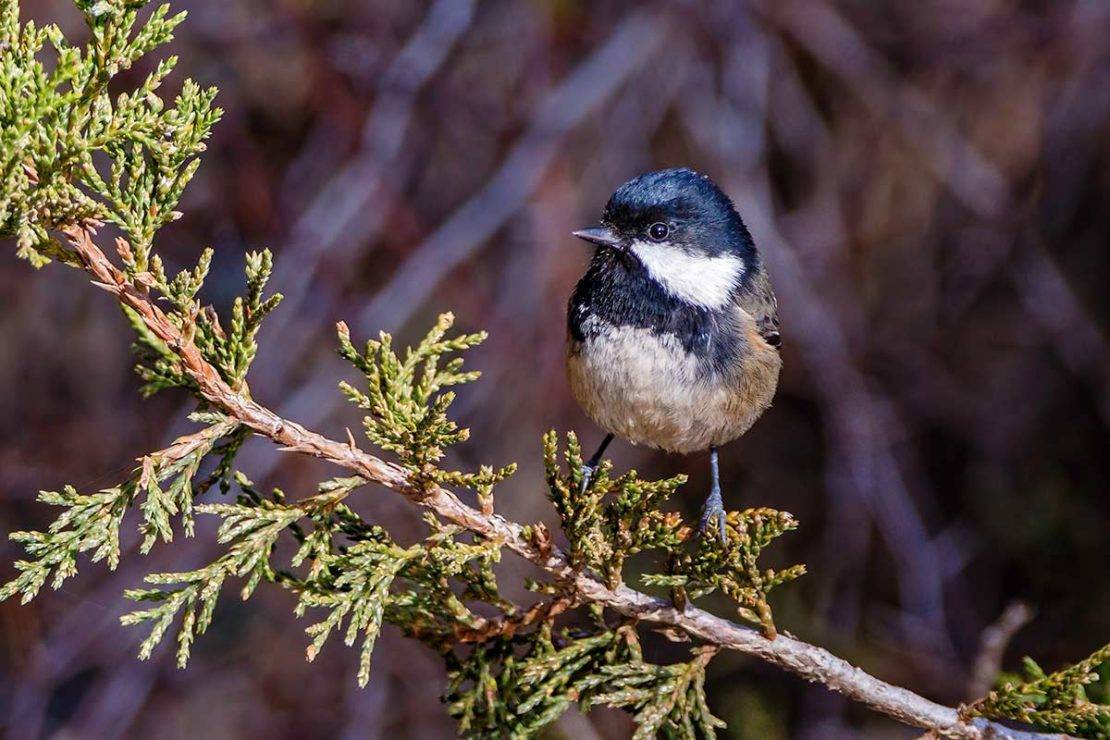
[682,230]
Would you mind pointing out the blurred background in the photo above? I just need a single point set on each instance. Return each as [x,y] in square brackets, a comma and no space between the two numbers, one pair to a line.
[929,183]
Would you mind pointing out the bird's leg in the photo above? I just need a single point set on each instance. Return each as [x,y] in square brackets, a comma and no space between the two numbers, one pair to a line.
[714,507]
[590,467]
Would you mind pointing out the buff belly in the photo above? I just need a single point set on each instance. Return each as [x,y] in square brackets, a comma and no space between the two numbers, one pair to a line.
[647,389]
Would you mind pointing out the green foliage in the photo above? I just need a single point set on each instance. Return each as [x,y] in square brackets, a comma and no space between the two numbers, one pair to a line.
[251,528]
[230,351]
[70,153]
[408,406]
[665,700]
[351,567]
[516,687]
[1071,700]
[614,517]
[91,522]
[454,568]
[197,597]
[617,517]
[176,499]
[734,568]
[358,594]
[1098,691]
[357,581]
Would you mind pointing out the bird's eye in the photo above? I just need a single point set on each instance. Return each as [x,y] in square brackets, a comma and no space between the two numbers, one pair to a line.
[658,231]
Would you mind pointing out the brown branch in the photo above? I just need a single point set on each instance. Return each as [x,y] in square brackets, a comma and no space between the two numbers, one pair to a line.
[810,662]
[509,626]
[187,444]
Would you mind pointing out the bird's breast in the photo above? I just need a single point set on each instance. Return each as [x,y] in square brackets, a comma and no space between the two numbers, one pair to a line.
[649,388]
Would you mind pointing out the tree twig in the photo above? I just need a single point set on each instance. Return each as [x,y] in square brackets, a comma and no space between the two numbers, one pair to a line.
[810,662]
[992,646]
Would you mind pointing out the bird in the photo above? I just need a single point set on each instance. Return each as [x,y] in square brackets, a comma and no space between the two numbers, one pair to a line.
[673,331]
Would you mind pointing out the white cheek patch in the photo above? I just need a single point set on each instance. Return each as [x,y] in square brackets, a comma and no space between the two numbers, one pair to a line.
[703,281]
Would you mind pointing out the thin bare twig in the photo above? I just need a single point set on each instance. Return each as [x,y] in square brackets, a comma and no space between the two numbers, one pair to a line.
[808,661]
[992,646]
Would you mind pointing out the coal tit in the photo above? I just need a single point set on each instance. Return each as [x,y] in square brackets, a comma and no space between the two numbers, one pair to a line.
[673,332]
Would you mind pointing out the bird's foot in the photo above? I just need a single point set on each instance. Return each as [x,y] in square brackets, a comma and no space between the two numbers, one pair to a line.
[590,466]
[588,470]
[714,509]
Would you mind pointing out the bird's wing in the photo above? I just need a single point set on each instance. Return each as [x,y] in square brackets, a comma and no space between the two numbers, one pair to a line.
[758,300]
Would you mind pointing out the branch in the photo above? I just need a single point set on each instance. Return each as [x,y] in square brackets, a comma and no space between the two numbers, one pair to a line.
[509,626]
[992,645]
[810,662]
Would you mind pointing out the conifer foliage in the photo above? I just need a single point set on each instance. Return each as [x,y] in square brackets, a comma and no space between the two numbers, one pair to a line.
[1074,700]
[73,158]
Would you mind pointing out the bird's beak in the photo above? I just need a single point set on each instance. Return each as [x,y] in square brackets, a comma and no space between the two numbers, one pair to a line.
[602,236]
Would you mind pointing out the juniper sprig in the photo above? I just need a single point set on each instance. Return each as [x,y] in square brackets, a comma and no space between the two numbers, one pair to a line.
[733,568]
[91,522]
[408,404]
[1052,702]
[516,687]
[355,584]
[230,351]
[614,517]
[250,528]
[667,700]
[617,517]
[56,114]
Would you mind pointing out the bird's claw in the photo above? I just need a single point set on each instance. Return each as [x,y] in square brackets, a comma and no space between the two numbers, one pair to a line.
[714,509]
[587,475]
